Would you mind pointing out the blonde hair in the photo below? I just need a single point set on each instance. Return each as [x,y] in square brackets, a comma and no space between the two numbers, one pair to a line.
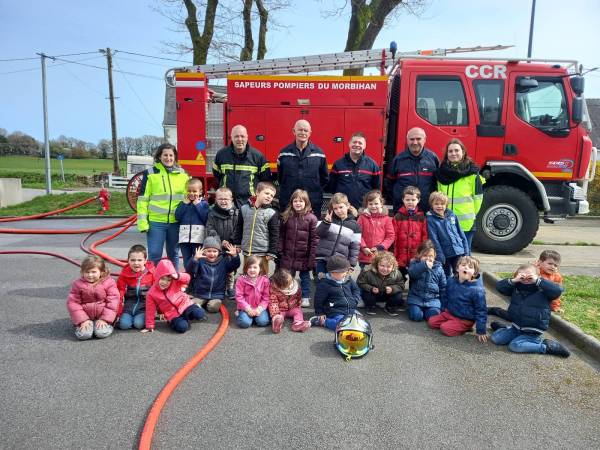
[527,266]
[224,190]
[385,257]
[339,198]
[438,196]
[290,211]
[194,181]
[94,262]
[471,261]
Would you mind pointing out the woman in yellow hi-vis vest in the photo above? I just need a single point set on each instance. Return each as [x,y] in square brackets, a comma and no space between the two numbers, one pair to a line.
[162,189]
[458,177]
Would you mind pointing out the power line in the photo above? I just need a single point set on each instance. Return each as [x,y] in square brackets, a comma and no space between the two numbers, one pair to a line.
[104,68]
[18,59]
[49,67]
[151,56]
[37,58]
[138,61]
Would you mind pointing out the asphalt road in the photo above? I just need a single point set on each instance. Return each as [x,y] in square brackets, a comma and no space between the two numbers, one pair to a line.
[258,390]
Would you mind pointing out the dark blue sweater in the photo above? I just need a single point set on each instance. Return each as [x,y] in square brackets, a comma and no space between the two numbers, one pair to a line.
[466,300]
[447,236]
[334,299]
[427,286]
[209,279]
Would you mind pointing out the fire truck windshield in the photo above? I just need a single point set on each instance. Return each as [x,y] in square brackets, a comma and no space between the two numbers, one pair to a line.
[545,106]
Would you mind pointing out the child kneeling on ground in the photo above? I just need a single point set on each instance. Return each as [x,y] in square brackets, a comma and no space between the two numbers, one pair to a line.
[285,301]
[464,302]
[529,312]
[93,300]
[337,294]
[382,282]
[167,295]
[209,270]
[252,294]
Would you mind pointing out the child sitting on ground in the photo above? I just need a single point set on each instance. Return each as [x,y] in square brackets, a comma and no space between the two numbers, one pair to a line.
[464,302]
[167,295]
[222,219]
[257,230]
[410,228]
[133,283]
[529,313]
[444,231]
[377,228]
[427,284]
[298,240]
[337,294]
[209,269]
[382,282]
[285,301]
[93,301]
[191,214]
[252,295]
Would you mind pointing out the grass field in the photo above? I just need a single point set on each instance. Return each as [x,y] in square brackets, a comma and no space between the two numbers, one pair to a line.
[46,203]
[580,302]
[32,164]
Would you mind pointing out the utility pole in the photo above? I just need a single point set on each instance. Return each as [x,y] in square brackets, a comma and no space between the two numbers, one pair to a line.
[46,137]
[113,118]
[531,29]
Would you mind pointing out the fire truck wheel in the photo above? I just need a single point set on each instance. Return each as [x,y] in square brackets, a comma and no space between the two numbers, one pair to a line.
[133,189]
[507,222]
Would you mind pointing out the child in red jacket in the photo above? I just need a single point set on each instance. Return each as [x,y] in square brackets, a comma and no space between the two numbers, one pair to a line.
[285,301]
[93,300]
[410,227]
[377,228]
[167,294]
[133,283]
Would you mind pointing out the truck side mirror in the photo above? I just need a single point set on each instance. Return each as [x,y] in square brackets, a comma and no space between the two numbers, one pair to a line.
[524,84]
[577,112]
[577,84]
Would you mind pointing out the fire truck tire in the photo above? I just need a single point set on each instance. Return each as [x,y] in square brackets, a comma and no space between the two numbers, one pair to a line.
[133,189]
[507,221]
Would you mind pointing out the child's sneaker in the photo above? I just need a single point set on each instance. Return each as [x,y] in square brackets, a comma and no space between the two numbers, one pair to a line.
[277,323]
[391,311]
[556,348]
[315,321]
[305,302]
[371,310]
[301,326]
[495,326]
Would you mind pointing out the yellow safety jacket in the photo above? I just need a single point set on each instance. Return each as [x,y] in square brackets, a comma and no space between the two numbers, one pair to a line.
[465,196]
[161,192]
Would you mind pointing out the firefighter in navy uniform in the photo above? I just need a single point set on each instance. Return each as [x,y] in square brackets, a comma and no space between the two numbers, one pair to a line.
[240,167]
[302,165]
[355,174]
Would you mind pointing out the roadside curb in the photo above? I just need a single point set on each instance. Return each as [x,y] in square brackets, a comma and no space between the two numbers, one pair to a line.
[573,333]
[70,217]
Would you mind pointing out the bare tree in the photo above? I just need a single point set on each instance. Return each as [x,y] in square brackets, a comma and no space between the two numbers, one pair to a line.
[368,18]
[200,42]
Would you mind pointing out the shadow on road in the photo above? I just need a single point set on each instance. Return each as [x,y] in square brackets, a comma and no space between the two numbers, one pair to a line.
[56,330]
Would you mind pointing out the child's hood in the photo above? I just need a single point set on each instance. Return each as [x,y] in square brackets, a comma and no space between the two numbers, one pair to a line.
[291,290]
[165,267]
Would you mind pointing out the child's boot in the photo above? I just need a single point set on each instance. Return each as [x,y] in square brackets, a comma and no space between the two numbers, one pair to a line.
[301,326]
[277,323]
[213,306]
[556,348]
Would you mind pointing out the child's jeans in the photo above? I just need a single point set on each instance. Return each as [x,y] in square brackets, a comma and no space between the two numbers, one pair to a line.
[304,282]
[182,323]
[245,321]
[417,313]
[321,267]
[450,325]
[518,341]
[127,321]
[332,321]
[188,249]
[391,301]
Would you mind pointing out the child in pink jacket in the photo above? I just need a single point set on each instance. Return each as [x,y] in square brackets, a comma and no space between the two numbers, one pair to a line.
[93,301]
[252,295]
[167,294]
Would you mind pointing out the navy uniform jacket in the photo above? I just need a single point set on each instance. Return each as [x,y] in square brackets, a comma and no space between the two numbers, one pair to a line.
[354,179]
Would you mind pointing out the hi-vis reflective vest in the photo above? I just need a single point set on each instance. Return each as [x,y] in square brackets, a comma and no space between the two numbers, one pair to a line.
[161,192]
[465,196]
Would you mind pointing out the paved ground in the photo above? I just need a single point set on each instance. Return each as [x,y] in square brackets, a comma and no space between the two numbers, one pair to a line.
[257,390]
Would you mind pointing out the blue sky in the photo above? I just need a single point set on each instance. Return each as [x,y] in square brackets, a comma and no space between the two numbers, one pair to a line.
[77,94]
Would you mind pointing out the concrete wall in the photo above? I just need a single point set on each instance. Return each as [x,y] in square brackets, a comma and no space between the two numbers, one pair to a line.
[10,192]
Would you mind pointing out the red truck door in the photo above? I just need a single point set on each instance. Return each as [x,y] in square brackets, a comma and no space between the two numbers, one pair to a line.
[439,103]
[537,127]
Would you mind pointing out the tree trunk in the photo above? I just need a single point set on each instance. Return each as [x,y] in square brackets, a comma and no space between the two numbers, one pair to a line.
[200,42]
[262,30]
[248,48]
[366,21]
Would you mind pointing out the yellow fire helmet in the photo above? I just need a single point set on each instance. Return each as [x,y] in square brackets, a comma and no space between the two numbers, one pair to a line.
[353,336]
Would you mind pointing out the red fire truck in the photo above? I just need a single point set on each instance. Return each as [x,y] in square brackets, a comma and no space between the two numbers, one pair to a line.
[523,121]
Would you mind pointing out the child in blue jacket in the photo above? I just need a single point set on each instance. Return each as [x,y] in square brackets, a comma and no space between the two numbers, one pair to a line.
[463,305]
[444,230]
[209,270]
[336,296]
[427,284]
[191,214]
[529,312]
